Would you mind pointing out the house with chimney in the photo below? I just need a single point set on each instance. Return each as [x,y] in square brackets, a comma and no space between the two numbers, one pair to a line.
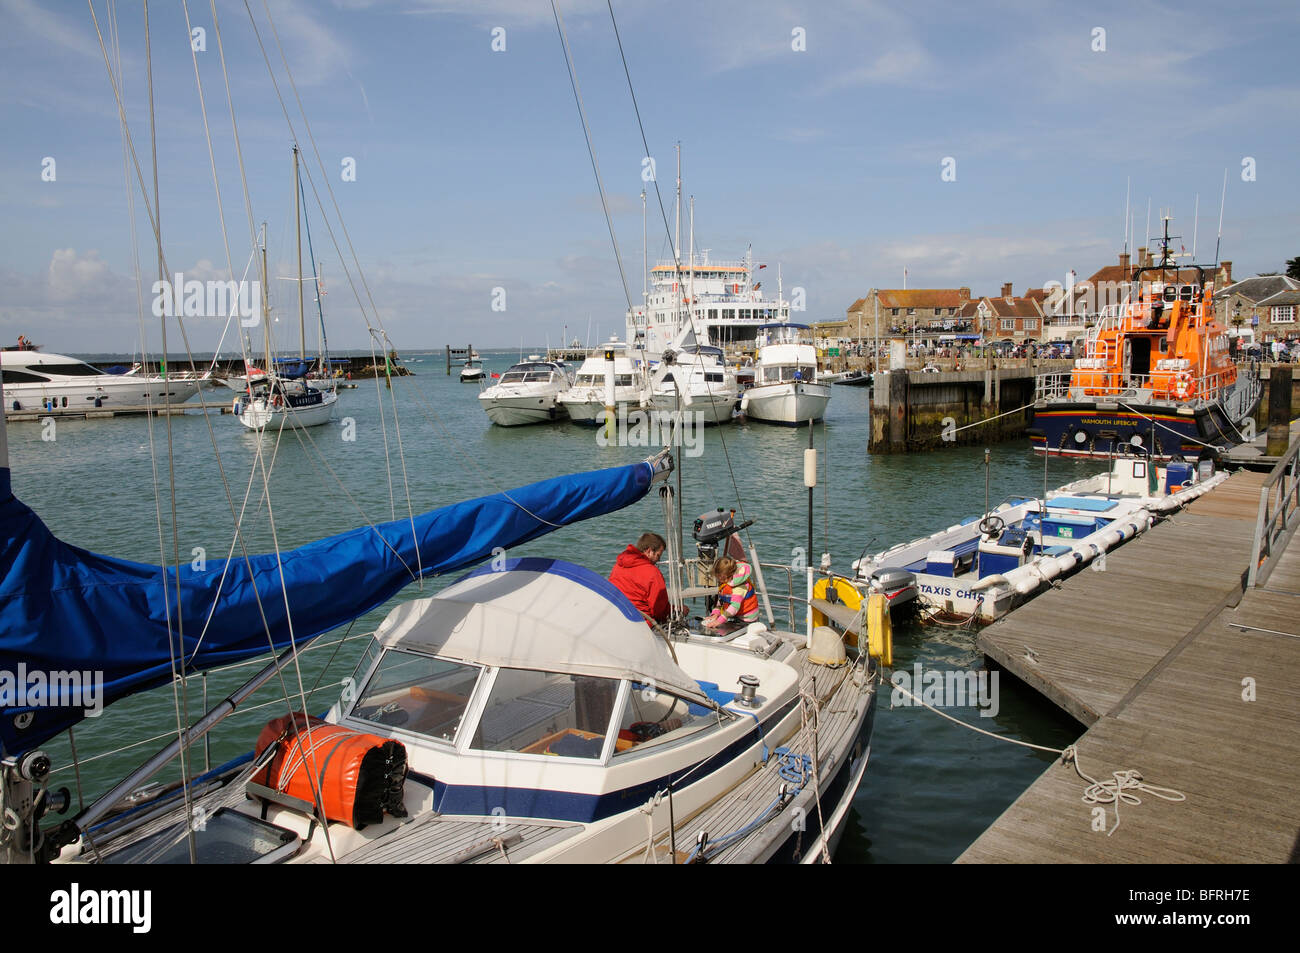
[1112,284]
[928,314]
[1006,317]
[1262,308]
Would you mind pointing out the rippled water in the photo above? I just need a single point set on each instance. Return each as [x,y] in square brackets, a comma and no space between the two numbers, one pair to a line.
[931,786]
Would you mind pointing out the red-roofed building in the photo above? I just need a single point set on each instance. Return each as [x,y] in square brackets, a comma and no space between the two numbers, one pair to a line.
[1006,317]
[929,312]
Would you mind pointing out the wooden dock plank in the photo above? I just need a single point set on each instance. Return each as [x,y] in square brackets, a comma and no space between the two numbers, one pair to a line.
[1214,717]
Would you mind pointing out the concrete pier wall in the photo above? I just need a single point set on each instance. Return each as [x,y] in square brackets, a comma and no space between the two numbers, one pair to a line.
[913,411]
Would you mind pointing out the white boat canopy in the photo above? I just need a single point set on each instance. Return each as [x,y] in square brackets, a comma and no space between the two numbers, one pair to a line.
[539,614]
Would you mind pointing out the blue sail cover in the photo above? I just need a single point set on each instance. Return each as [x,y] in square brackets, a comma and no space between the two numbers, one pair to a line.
[63,609]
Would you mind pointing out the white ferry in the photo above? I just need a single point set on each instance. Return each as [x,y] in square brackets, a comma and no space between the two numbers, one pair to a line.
[728,304]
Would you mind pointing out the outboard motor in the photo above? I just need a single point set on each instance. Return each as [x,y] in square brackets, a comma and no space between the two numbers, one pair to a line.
[716,531]
[898,585]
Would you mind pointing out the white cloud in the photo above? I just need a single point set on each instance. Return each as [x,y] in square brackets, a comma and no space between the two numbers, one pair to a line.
[72,276]
[50,29]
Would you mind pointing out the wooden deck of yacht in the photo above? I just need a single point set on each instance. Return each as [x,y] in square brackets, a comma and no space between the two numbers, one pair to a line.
[1181,674]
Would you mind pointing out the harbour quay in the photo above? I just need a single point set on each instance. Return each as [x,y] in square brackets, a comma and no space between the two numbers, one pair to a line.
[924,410]
[1181,658]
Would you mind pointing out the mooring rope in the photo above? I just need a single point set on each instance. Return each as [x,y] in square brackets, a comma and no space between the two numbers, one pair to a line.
[1119,788]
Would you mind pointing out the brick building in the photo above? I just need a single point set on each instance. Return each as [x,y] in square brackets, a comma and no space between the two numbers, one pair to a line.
[927,312]
[1006,317]
[1264,304]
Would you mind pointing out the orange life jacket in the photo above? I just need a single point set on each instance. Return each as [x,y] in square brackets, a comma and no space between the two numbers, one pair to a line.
[749,598]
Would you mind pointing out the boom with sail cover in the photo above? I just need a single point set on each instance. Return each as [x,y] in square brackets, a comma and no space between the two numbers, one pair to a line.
[67,610]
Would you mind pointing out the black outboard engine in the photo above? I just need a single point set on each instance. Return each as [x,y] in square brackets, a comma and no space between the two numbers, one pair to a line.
[712,528]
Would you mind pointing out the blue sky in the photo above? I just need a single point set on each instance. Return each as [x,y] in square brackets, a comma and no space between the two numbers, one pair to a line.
[472,172]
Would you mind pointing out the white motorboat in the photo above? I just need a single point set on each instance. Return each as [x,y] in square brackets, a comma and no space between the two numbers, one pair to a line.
[37,381]
[786,388]
[987,565]
[472,372]
[527,393]
[585,401]
[276,402]
[695,380]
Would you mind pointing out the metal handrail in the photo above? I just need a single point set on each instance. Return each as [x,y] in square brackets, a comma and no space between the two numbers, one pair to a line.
[790,598]
[1207,389]
[1279,513]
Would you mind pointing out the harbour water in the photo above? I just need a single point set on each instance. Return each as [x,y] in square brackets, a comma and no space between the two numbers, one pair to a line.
[931,787]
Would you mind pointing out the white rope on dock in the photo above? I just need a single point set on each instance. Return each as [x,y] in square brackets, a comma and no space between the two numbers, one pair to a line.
[1119,788]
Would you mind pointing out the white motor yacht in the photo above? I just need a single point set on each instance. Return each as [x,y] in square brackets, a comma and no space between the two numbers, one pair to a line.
[36,381]
[527,393]
[472,372]
[585,400]
[695,380]
[786,389]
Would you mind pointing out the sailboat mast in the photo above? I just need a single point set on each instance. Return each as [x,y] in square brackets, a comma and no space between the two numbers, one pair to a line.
[297,221]
[690,305]
[677,215]
[266,310]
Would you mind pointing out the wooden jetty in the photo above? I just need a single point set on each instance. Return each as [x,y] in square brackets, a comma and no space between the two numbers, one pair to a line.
[1181,671]
[1254,454]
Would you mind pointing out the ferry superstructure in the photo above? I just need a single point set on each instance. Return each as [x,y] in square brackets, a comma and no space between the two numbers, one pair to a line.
[727,303]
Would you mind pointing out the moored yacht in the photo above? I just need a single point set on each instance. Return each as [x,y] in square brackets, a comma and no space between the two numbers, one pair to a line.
[696,380]
[272,403]
[526,712]
[527,393]
[585,401]
[786,389]
[36,381]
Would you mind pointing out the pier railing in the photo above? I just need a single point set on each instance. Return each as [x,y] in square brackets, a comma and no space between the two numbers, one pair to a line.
[1279,513]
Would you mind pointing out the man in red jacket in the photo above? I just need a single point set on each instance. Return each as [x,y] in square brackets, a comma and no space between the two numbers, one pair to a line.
[637,577]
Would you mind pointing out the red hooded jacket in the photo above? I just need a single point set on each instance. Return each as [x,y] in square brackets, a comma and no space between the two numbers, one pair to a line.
[640,580]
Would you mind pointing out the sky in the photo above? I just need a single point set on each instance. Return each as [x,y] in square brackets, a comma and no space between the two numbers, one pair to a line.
[970,144]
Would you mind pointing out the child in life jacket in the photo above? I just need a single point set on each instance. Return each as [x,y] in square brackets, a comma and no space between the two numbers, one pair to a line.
[737,599]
